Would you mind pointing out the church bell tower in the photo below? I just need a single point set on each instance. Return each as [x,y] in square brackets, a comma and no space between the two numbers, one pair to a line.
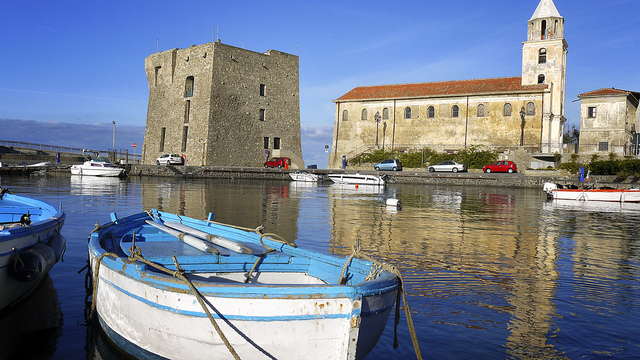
[544,61]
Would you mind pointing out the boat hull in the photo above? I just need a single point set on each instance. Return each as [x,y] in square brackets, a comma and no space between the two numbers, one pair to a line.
[357,179]
[306,177]
[27,253]
[608,195]
[97,168]
[282,313]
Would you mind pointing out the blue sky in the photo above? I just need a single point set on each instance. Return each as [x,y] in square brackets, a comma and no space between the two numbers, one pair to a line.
[79,65]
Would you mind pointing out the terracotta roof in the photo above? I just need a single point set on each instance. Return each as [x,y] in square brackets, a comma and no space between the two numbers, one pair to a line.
[441,88]
[607,91]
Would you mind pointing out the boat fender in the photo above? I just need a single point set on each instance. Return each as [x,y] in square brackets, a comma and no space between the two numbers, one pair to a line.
[32,263]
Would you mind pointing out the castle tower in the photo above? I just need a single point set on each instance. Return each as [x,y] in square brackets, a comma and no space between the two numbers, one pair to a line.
[544,61]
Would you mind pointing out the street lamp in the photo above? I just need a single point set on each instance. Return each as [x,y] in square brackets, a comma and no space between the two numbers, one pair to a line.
[376,117]
[522,113]
[113,146]
[384,132]
[326,151]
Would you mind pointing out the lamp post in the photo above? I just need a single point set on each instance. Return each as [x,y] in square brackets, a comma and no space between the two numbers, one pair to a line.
[326,151]
[376,117]
[522,113]
[384,132]
[113,146]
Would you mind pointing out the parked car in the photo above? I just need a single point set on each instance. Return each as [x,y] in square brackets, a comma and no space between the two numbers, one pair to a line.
[170,159]
[278,162]
[501,166]
[389,164]
[448,165]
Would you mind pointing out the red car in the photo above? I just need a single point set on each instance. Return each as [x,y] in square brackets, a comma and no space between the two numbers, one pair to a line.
[501,166]
[277,162]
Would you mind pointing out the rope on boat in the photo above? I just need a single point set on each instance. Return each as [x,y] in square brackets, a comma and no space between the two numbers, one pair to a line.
[375,271]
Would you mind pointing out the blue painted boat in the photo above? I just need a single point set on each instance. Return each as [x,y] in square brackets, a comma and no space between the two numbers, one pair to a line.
[170,286]
[30,245]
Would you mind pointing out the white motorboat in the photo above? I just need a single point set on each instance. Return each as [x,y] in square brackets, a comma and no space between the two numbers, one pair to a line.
[304,176]
[357,178]
[591,194]
[96,166]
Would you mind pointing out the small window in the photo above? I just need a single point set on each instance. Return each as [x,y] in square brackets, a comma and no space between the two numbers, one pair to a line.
[262,89]
[345,115]
[543,30]
[454,111]
[262,114]
[542,56]
[185,134]
[541,79]
[591,111]
[603,146]
[158,73]
[407,113]
[276,143]
[431,112]
[481,110]
[531,108]
[385,114]
[187,111]
[507,109]
[266,142]
[188,87]
[364,114]
[163,133]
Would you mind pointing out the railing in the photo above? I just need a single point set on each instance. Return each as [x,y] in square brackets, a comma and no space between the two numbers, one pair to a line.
[113,155]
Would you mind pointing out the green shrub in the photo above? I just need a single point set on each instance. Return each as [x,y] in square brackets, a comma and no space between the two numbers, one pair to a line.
[474,157]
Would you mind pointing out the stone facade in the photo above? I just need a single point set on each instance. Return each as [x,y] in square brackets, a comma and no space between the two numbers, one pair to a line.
[502,113]
[608,120]
[219,105]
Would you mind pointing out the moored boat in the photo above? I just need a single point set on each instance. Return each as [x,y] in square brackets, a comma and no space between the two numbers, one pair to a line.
[96,166]
[304,176]
[557,192]
[357,178]
[30,245]
[170,286]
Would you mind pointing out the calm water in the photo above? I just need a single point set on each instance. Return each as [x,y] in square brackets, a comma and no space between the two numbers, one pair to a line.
[490,273]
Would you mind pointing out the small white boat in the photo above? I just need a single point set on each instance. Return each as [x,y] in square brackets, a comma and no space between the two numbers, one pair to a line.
[30,245]
[169,286]
[304,176]
[96,166]
[556,192]
[357,178]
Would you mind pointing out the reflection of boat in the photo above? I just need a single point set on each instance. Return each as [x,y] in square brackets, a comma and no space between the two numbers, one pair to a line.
[593,206]
[231,297]
[304,176]
[31,330]
[30,244]
[357,178]
[357,188]
[554,191]
[94,185]
[96,166]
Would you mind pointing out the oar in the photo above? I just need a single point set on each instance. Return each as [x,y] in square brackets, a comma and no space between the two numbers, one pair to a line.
[220,241]
[187,239]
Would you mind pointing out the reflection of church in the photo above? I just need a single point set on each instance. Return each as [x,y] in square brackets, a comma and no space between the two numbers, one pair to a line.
[524,112]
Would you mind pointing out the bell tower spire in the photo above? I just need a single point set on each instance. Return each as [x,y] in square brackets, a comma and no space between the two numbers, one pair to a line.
[544,61]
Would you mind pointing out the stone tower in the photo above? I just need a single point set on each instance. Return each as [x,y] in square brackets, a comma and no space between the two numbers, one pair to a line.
[544,61]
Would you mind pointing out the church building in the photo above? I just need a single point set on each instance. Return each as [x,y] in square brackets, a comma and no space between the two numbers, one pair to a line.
[510,113]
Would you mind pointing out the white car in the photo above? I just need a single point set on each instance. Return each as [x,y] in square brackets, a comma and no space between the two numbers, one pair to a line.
[169,159]
[448,165]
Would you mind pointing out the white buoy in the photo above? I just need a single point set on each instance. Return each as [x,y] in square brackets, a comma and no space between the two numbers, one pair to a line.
[394,203]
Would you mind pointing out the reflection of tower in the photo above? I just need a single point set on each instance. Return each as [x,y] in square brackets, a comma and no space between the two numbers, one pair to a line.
[544,61]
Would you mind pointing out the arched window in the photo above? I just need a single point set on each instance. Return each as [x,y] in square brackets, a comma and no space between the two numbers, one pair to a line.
[543,30]
[555,27]
[481,110]
[531,108]
[541,79]
[507,109]
[345,115]
[188,87]
[454,111]
[431,112]
[364,114]
[385,114]
[542,56]
[407,113]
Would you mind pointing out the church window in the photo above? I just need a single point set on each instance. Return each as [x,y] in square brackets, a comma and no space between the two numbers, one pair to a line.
[591,111]
[345,115]
[543,31]
[262,111]
[555,27]
[531,108]
[188,87]
[481,110]
[507,109]
[364,114]
[603,146]
[454,111]
[431,112]
[542,56]
[385,114]
[407,113]
[541,79]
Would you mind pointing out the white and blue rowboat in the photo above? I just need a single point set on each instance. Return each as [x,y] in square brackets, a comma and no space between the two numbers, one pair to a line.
[169,286]
[30,245]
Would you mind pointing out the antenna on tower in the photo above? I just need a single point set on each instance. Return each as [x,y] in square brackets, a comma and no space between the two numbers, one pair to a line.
[157,46]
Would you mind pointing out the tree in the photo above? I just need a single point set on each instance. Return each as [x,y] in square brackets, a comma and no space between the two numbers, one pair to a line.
[572,136]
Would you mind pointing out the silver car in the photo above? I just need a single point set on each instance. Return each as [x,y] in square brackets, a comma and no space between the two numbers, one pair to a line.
[169,159]
[448,165]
